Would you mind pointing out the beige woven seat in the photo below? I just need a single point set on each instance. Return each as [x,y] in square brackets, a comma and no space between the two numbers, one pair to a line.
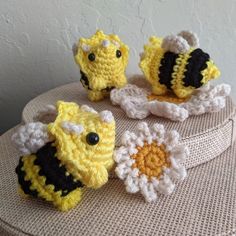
[204,204]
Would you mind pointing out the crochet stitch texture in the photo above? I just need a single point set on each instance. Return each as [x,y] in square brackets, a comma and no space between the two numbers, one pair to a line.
[150,160]
[78,155]
[102,60]
[173,63]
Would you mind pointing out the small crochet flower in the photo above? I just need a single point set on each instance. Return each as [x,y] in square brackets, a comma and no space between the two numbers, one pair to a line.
[150,160]
[138,102]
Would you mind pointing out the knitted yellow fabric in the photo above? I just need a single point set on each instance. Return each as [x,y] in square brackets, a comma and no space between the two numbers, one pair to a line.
[102,60]
[80,155]
[182,73]
[87,163]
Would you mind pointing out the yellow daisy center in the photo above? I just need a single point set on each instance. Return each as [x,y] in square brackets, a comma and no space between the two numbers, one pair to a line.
[151,159]
[169,97]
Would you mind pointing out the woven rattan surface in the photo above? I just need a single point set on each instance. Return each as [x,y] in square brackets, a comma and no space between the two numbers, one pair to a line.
[207,135]
[204,204]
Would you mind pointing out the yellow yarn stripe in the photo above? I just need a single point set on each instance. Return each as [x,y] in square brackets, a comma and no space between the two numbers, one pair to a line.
[47,191]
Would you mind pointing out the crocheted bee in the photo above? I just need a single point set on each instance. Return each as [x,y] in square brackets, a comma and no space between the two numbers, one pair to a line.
[102,60]
[177,64]
[73,152]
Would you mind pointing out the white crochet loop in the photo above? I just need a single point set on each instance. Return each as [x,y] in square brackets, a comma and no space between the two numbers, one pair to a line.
[133,100]
[85,47]
[70,127]
[106,116]
[142,177]
[31,137]
[105,43]
[175,44]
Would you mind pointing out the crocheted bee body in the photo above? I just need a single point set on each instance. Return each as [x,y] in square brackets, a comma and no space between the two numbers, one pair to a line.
[42,175]
[102,60]
[176,64]
[76,152]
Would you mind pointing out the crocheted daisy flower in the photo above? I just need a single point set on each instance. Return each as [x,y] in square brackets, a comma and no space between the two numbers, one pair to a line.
[150,160]
[138,102]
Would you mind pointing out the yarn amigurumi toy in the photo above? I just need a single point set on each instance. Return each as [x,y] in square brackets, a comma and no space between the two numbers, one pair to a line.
[62,158]
[176,64]
[102,60]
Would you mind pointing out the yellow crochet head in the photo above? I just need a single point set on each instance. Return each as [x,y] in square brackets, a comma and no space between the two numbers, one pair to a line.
[85,142]
[176,64]
[102,60]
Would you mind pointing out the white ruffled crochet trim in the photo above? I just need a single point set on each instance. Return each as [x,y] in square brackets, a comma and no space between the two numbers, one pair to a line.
[133,100]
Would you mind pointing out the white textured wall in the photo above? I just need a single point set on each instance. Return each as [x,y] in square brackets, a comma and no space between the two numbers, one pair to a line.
[36,38]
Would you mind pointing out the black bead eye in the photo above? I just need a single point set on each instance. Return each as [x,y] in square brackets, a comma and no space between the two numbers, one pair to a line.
[91,56]
[92,138]
[118,53]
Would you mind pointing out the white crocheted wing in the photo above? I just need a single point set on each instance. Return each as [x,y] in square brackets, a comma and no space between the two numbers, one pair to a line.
[31,137]
[133,100]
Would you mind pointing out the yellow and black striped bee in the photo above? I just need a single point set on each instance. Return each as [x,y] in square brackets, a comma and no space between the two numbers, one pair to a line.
[75,151]
[43,175]
[176,64]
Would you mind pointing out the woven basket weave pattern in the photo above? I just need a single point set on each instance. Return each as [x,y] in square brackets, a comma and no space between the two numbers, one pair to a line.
[204,204]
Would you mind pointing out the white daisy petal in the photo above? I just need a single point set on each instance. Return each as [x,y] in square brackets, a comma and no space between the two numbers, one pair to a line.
[143,129]
[134,107]
[165,186]
[127,138]
[143,181]
[171,139]
[131,183]
[179,173]
[137,170]
[158,133]
[124,168]
[139,142]
[133,100]
[149,192]
[174,163]
[180,152]
[167,110]
[155,182]
[121,155]
[132,150]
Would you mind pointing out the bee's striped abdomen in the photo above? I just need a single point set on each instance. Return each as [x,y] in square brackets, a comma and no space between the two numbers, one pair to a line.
[195,65]
[25,184]
[51,169]
[166,68]
[54,172]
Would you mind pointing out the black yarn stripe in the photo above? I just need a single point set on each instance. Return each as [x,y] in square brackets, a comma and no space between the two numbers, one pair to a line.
[196,63]
[84,80]
[166,68]
[54,173]
[25,185]
[107,89]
